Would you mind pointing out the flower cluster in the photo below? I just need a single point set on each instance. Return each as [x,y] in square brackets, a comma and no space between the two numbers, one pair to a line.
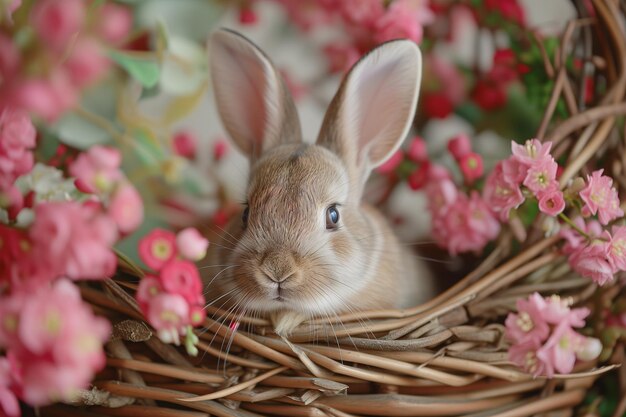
[97,171]
[45,73]
[532,167]
[593,252]
[543,337]
[50,235]
[366,23]
[53,345]
[172,297]
[17,139]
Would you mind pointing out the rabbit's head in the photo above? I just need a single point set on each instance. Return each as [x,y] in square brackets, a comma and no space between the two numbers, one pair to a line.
[303,242]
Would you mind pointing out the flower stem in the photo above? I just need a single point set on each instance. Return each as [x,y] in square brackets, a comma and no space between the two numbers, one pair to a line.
[573,225]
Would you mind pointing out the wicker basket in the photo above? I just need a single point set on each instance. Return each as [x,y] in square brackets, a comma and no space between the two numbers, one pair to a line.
[445,357]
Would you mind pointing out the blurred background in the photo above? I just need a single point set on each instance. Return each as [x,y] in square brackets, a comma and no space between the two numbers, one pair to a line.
[138,79]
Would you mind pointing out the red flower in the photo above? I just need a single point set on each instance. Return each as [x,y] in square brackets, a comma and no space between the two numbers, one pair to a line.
[437,105]
[509,9]
[488,95]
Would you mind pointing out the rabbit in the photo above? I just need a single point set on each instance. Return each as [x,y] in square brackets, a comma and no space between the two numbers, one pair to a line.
[305,246]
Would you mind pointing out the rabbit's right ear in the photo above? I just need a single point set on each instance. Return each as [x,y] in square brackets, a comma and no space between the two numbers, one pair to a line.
[255,106]
[372,112]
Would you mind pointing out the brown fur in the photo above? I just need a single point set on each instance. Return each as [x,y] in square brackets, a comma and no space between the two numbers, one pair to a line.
[284,262]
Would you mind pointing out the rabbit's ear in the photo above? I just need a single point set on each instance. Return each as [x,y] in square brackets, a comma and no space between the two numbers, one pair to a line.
[372,112]
[255,106]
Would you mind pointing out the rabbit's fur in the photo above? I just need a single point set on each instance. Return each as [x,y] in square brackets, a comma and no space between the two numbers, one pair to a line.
[284,261]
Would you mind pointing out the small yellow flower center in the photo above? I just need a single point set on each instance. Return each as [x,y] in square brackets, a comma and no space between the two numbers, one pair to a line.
[531,362]
[599,197]
[10,323]
[25,245]
[472,163]
[564,343]
[52,322]
[161,249]
[87,344]
[101,182]
[169,316]
[502,191]
[524,322]
[531,149]
[153,290]
[196,317]
[619,247]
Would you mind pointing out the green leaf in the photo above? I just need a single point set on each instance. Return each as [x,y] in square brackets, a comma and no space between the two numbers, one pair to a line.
[148,148]
[79,133]
[144,70]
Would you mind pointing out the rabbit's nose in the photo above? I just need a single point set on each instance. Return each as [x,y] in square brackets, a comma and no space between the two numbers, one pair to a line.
[278,267]
[282,278]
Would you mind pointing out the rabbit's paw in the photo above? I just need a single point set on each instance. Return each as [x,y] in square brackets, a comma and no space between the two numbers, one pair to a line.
[285,321]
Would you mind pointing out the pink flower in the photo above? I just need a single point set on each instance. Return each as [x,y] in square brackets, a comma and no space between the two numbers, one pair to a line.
[149,287]
[56,21]
[157,248]
[524,355]
[551,202]
[513,171]
[403,19]
[533,150]
[459,146]
[575,240]
[589,349]
[501,195]
[114,23]
[592,262]
[73,240]
[168,314]
[471,166]
[306,14]
[185,144]
[48,98]
[87,62]
[417,150]
[341,57]
[61,344]
[220,149]
[601,197]
[97,170]
[191,244]
[556,310]
[541,176]
[441,193]
[390,165]
[361,12]
[529,324]
[450,78]
[617,248]
[9,57]
[182,278]
[126,208]
[559,352]
[9,405]
[465,225]
[17,138]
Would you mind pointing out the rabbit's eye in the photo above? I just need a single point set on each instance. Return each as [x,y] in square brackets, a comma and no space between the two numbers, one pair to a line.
[244,216]
[332,217]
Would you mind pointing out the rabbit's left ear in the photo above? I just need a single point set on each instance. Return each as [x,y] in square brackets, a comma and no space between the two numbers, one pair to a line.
[372,112]
[255,106]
